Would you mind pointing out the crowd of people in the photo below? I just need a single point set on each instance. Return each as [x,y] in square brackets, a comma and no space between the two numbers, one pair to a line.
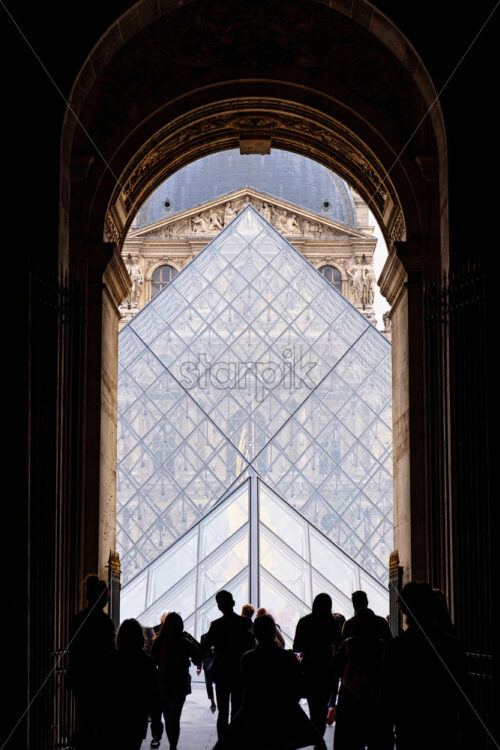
[406,691]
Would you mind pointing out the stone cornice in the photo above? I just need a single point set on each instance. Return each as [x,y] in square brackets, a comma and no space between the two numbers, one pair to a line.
[116,279]
[393,278]
[157,247]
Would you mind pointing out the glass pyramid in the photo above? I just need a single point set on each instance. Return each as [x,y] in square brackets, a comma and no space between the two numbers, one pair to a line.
[295,562]
[251,364]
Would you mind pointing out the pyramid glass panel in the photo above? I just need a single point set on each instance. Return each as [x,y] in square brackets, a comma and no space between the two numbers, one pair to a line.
[250,362]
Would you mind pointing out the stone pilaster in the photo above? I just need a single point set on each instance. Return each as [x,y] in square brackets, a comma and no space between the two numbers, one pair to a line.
[401,283]
[107,284]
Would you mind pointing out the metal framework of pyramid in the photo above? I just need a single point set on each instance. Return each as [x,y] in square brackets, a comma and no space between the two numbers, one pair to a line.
[250,377]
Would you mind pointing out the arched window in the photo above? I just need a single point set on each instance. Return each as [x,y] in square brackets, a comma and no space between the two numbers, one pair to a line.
[333,275]
[161,276]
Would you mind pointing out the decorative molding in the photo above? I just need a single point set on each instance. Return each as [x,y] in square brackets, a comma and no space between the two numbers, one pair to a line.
[111,233]
[116,279]
[397,230]
[393,278]
[222,124]
[207,221]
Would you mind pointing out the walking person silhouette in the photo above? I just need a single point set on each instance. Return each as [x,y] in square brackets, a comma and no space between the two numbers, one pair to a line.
[131,685]
[317,635]
[173,649]
[359,720]
[92,638]
[270,716]
[231,637]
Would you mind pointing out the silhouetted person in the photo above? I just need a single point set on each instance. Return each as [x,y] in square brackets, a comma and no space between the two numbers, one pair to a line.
[365,621]
[359,721]
[316,637]
[247,610]
[208,657]
[422,667]
[278,636]
[340,619]
[270,717]
[131,686]
[92,637]
[332,702]
[149,636]
[173,649]
[230,637]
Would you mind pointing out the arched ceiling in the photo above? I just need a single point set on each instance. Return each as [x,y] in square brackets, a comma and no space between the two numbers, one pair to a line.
[205,76]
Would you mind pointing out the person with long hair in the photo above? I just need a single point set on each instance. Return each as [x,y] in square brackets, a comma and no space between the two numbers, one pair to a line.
[173,650]
[270,716]
[132,691]
[317,635]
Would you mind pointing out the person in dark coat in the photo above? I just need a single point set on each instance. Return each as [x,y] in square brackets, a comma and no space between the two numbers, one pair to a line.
[132,694]
[92,638]
[173,649]
[359,720]
[270,717]
[231,637]
[424,677]
[208,658]
[332,702]
[316,637]
[365,621]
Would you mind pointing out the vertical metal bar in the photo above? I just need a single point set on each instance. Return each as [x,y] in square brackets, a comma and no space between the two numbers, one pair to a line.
[197,634]
[309,558]
[254,541]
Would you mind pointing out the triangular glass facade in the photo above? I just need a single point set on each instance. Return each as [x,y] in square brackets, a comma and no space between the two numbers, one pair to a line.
[251,363]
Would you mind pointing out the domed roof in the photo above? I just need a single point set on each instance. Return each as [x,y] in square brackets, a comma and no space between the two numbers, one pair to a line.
[290,177]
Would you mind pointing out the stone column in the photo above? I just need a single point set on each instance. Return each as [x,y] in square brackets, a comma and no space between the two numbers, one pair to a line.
[107,284]
[401,282]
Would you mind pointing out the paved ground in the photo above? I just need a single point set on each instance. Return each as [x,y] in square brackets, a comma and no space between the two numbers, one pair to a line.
[198,730]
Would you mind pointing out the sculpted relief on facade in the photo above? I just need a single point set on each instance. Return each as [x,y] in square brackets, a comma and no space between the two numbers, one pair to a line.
[137,279]
[176,240]
[212,220]
[363,282]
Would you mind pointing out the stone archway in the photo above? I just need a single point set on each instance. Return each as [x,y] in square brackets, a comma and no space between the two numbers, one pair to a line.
[162,89]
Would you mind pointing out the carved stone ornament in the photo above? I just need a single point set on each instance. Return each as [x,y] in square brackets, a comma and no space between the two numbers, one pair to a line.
[111,233]
[137,279]
[208,222]
[398,228]
[150,262]
[363,282]
[342,150]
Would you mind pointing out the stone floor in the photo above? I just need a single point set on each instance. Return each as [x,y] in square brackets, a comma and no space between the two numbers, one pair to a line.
[198,730]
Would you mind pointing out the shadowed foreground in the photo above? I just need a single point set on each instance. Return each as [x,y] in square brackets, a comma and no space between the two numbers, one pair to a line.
[198,731]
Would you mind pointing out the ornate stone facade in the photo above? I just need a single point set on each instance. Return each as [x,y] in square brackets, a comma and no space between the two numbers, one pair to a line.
[176,240]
